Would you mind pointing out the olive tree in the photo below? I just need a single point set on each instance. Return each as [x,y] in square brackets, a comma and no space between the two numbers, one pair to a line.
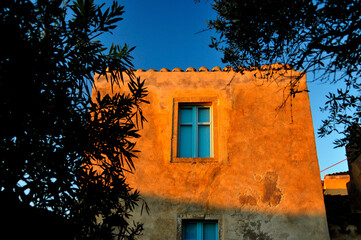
[319,36]
[61,151]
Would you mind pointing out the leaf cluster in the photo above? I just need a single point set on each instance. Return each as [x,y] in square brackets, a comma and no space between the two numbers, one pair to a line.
[61,150]
[321,36]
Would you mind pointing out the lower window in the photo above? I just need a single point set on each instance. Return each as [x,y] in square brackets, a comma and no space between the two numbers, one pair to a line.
[200,230]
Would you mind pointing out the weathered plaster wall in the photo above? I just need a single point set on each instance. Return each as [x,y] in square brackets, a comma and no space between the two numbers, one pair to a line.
[265,183]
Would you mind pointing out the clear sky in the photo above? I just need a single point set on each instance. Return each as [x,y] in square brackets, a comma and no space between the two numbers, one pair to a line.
[168,34]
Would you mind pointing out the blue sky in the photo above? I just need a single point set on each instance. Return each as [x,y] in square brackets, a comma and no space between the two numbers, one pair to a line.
[168,34]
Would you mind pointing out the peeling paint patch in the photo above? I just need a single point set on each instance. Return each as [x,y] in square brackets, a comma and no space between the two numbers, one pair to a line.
[247,200]
[252,231]
[271,193]
[250,234]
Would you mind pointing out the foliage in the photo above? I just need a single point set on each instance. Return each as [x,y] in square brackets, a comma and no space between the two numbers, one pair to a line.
[60,150]
[321,36]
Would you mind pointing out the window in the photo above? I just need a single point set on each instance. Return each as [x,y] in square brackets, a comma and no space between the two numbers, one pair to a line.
[195,130]
[200,230]
[194,136]
[199,226]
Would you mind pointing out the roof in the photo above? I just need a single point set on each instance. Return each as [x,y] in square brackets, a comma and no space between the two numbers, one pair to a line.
[275,66]
[338,173]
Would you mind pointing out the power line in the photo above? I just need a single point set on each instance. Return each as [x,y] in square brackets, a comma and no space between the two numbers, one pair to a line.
[333,165]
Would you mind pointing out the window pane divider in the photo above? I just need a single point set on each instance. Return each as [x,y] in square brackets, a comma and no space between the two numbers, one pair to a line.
[195,129]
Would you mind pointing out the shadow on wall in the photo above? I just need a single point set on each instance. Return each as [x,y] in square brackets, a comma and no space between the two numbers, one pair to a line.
[166,216]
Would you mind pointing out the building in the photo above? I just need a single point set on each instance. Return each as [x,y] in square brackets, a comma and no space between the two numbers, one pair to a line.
[336,183]
[221,160]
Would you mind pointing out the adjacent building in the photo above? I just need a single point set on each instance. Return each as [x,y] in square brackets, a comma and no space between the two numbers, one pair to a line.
[336,183]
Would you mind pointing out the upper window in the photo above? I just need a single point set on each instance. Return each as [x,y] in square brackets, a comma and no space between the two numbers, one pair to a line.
[200,230]
[194,131]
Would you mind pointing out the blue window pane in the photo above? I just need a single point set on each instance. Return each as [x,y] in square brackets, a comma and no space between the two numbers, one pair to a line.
[190,231]
[204,141]
[185,140]
[200,230]
[210,231]
[186,115]
[203,115]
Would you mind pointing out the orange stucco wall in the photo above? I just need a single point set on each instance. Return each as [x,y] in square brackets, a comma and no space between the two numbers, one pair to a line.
[265,171]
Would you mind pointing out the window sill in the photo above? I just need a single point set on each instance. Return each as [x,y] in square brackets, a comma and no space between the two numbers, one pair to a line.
[194,160]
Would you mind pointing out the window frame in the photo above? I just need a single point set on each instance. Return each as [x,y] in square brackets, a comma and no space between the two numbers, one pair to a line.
[212,103]
[201,217]
[200,227]
[195,125]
